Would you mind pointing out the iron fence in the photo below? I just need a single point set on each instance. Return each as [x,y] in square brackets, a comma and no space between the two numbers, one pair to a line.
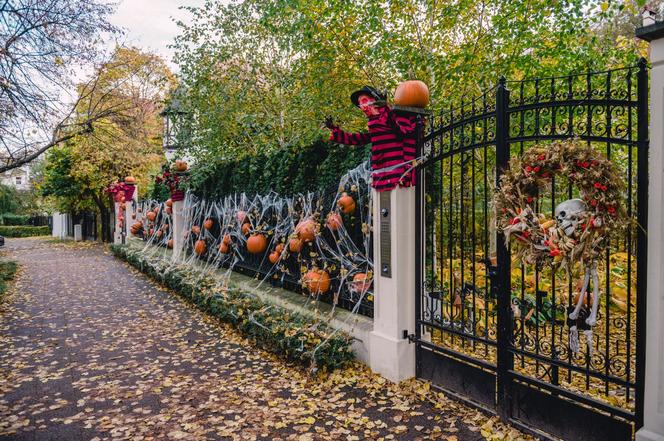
[496,334]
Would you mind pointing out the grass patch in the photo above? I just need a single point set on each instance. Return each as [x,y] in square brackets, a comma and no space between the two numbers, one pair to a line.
[8,270]
[291,336]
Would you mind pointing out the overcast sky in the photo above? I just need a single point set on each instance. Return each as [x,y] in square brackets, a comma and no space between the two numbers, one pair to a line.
[150,24]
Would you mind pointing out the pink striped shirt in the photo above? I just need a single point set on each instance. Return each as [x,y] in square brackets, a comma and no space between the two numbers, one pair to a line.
[392,140]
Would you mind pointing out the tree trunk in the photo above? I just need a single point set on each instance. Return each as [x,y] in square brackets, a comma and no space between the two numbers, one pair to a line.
[105,216]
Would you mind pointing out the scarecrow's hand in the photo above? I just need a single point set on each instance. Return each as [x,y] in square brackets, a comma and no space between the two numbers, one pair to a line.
[329,122]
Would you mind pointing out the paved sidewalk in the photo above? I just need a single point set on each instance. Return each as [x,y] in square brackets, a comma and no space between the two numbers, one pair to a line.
[92,349]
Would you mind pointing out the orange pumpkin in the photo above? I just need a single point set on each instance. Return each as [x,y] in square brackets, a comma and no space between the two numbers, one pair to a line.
[156,209]
[133,215]
[361,283]
[151,216]
[169,244]
[279,248]
[346,203]
[180,165]
[169,202]
[130,180]
[412,93]
[200,247]
[227,239]
[223,248]
[334,221]
[306,230]
[241,217]
[274,257]
[257,244]
[246,228]
[169,210]
[587,299]
[134,231]
[137,225]
[196,229]
[295,245]
[208,224]
[317,281]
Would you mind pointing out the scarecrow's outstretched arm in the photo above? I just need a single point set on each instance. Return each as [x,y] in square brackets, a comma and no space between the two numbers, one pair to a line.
[346,138]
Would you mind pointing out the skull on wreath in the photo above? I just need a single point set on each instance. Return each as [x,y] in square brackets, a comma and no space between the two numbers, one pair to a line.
[569,213]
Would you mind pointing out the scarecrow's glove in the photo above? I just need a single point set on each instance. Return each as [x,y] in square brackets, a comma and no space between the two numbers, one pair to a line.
[329,123]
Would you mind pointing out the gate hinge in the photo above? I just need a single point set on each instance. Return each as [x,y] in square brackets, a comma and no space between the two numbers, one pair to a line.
[411,337]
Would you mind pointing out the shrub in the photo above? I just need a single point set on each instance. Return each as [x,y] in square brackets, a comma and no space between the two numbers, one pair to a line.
[292,336]
[15,219]
[23,231]
[317,167]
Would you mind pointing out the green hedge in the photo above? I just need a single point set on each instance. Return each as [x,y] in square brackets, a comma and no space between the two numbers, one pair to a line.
[289,335]
[15,219]
[317,167]
[27,231]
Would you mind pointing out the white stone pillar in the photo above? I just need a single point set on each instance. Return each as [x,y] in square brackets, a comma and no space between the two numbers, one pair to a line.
[391,355]
[653,421]
[178,228]
[117,232]
[129,212]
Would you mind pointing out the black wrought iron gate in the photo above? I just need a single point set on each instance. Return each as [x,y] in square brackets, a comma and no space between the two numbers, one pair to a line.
[494,333]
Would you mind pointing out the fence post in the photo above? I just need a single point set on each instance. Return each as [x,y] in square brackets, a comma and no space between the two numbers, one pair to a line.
[391,353]
[129,212]
[505,361]
[650,248]
[178,228]
[118,234]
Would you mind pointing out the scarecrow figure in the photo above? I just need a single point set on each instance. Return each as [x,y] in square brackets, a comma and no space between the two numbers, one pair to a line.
[392,137]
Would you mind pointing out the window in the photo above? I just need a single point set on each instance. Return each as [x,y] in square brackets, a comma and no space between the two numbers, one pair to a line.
[18,180]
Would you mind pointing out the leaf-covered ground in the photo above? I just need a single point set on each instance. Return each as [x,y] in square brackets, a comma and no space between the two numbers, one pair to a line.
[91,349]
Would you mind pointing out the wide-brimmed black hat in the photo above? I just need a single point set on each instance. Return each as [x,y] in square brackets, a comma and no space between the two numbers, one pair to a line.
[366,90]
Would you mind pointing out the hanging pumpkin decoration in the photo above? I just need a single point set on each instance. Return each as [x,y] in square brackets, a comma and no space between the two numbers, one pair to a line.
[246,229]
[224,248]
[196,229]
[208,224]
[412,93]
[316,281]
[156,209]
[180,165]
[133,231]
[133,215]
[257,243]
[227,239]
[361,283]
[346,203]
[169,244]
[200,247]
[275,255]
[241,217]
[151,216]
[137,225]
[306,230]
[169,210]
[130,180]
[295,245]
[169,202]
[334,221]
